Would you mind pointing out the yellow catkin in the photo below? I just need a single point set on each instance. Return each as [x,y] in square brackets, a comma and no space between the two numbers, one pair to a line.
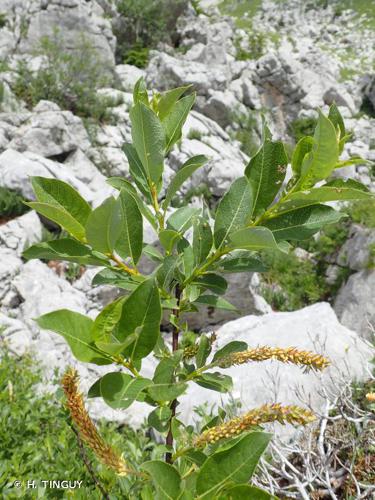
[265,414]
[370,397]
[285,355]
[87,430]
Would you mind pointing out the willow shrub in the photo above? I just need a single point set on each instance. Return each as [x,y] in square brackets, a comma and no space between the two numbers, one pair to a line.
[198,249]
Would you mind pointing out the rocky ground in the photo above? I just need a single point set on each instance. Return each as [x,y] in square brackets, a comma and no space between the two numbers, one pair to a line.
[284,62]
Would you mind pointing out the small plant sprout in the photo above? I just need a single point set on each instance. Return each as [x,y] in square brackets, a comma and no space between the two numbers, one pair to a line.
[197,249]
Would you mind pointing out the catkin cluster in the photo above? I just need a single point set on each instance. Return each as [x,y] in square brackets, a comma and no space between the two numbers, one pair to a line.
[285,355]
[86,427]
[265,414]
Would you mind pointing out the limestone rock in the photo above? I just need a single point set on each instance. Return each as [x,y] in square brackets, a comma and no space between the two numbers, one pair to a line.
[21,232]
[356,251]
[355,305]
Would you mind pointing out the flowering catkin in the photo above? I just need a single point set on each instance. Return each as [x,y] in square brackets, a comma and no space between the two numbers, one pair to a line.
[86,427]
[285,355]
[265,414]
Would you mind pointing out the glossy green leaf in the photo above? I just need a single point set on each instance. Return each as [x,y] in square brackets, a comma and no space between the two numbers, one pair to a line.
[186,171]
[254,238]
[168,238]
[335,117]
[175,120]
[234,346]
[115,278]
[141,314]
[120,390]
[303,147]
[159,418]
[338,189]
[64,249]
[234,465]
[165,388]
[321,160]
[102,227]
[169,99]
[137,170]
[182,219]
[302,223]
[106,322]
[167,271]
[121,183]
[61,217]
[129,241]
[140,92]
[213,282]
[266,172]
[61,195]
[215,381]
[166,479]
[204,350]
[202,240]
[233,212]
[246,492]
[77,331]
[241,262]
[148,140]
[217,302]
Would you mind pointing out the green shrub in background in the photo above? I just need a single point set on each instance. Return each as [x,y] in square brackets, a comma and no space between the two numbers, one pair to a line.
[142,25]
[301,127]
[257,213]
[11,203]
[70,79]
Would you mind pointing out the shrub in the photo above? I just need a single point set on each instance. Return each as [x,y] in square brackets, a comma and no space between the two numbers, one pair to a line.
[3,20]
[302,127]
[11,203]
[142,25]
[363,212]
[255,214]
[66,78]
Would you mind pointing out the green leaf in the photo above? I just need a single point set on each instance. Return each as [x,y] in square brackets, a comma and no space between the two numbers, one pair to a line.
[187,257]
[120,390]
[338,189]
[246,492]
[64,249]
[233,212]
[115,278]
[77,331]
[335,117]
[140,92]
[204,350]
[304,146]
[234,346]
[121,183]
[302,223]
[321,160]
[130,230]
[149,140]
[168,238]
[167,271]
[165,388]
[266,172]
[159,418]
[354,160]
[217,302]
[215,381]
[61,195]
[182,219]
[213,282]
[186,171]
[202,240]
[103,328]
[61,217]
[175,120]
[141,314]
[254,238]
[168,100]
[234,465]
[166,479]
[241,262]
[137,170]
[102,227]
[152,253]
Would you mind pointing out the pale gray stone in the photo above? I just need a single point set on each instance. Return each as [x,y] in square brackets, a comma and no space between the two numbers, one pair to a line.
[19,233]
